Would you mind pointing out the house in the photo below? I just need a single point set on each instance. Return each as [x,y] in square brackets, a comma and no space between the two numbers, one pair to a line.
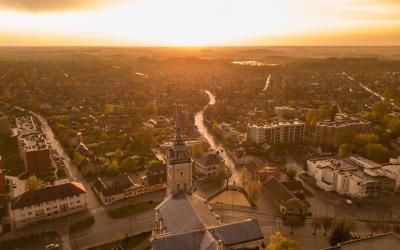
[284,200]
[48,203]
[210,165]
[119,188]
[388,241]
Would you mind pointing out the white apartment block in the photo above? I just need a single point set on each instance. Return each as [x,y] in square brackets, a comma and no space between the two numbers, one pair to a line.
[48,203]
[354,176]
[277,132]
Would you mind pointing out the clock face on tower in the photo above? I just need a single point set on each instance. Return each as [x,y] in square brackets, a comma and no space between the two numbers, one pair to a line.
[179,161]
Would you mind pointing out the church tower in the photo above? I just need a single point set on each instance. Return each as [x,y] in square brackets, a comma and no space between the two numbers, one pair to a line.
[179,163]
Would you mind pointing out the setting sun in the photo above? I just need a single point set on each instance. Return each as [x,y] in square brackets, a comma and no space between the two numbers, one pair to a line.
[192,23]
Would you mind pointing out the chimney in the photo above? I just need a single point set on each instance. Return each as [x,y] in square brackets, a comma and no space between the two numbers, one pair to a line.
[220,245]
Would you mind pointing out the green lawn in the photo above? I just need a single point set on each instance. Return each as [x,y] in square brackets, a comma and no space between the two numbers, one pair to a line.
[85,223]
[10,156]
[117,213]
[126,243]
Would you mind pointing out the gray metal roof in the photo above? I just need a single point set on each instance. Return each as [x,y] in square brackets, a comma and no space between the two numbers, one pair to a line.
[179,214]
[201,239]
[238,233]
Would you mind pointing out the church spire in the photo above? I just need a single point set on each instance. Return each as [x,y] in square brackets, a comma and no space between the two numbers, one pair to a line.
[178,128]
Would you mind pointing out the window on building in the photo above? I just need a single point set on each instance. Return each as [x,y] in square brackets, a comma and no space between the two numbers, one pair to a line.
[185,186]
[78,201]
[181,173]
[177,186]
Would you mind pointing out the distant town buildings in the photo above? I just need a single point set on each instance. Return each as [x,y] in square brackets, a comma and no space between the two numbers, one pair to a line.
[229,132]
[2,179]
[266,173]
[48,203]
[355,176]
[277,132]
[32,146]
[209,165]
[286,201]
[332,132]
[285,112]
[388,241]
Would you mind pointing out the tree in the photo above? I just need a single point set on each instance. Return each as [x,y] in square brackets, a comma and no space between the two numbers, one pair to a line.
[33,183]
[344,149]
[78,158]
[378,153]
[113,168]
[291,174]
[197,150]
[144,139]
[245,175]
[130,164]
[278,242]
[118,154]
[253,191]
[340,233]
[380,109]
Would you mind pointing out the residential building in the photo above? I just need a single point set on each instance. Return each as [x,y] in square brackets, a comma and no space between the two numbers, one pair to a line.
[354,176]
[331,133]
[32,147]
[48,203]
[388,241]
[287,202]
[4,126]
[35,153]
[285,112]
[122,186]
[210,165]
[2,179]
[229,132]
[195,227]
[277,132]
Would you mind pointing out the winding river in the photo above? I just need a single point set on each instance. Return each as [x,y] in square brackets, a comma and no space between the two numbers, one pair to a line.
[201,127]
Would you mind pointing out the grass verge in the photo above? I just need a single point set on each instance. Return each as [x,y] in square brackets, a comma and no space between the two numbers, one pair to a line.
[84,223]
[126,243]
[121,212]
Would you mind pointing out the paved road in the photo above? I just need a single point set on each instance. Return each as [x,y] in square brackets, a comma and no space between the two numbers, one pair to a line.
[70,168]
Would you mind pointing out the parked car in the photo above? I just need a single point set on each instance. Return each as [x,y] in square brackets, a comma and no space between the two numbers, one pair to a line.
[348,202]
[52,246]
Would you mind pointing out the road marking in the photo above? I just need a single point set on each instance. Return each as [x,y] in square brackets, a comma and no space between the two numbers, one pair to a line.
[65,242]
[96,210]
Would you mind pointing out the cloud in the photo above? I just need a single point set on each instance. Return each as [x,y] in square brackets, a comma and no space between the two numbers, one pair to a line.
[50,5]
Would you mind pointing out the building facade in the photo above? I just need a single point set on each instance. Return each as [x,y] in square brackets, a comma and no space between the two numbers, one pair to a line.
[48,203]
[4,126]
[331,133]
[277,132]
[354,176]
[32,147]
[210,165]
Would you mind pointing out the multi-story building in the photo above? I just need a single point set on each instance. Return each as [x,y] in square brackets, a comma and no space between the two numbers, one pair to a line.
[229,132]
[209,165]
[354,176]
[285,112]
[48,203]
[331,133]
[277,132]
[35,153]
[2,179]
[32,147]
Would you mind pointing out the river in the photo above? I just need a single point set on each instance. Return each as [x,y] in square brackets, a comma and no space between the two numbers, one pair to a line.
[203,130]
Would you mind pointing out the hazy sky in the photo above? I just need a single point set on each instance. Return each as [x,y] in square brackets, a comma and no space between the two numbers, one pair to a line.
[199,22]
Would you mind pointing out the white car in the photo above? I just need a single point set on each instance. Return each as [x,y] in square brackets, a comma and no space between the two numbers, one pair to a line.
[52,246]
[348,202]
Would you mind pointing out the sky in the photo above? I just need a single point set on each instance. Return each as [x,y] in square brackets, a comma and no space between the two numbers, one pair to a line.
[199,22]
